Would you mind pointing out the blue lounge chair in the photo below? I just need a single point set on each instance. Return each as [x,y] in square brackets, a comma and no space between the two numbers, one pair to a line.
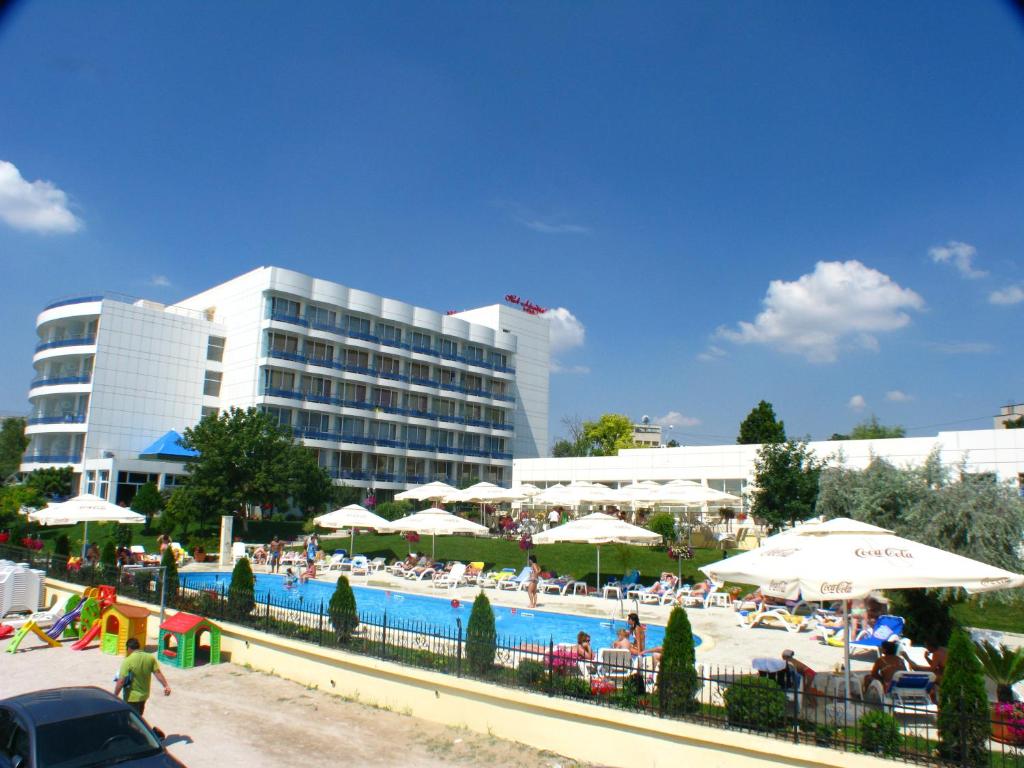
[517,582]
[886,628]
[620,586]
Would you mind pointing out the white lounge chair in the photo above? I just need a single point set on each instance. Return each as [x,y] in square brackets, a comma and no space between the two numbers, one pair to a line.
[238,552]
[360,566]
[516,583]
[614,663]
[337,563]
[454,577]
[775,616]
[376,564]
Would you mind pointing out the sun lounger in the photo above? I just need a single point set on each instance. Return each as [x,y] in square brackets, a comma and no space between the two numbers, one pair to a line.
[777,616]
[618,587]
[515,584]
[614,663]
[909,693]
[377,564]
[337,563]
[711,597]
[886,628]
[238,552]
[360,566]
[557,586]
[494,578]
[452,578]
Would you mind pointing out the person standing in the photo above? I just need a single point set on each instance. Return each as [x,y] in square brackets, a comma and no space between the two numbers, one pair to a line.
[135,676]
[531,581]
[311,548]
[276,550]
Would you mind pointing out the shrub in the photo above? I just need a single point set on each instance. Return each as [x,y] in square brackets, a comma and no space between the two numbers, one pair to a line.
[880,734]
[677,677]
[927,615]
[1004,666]
[342,610]
[481,636]
[123,535]
[531,673]
[108,555]
[964,715]
[62,546]
[664,525]
[170,572]
[242,591]
[756,702]
[575,687]
[392,510]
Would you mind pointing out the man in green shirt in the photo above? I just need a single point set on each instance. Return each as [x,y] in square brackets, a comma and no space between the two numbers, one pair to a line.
[135,674]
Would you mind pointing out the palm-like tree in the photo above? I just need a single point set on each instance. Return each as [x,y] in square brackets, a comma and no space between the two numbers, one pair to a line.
[1003,666]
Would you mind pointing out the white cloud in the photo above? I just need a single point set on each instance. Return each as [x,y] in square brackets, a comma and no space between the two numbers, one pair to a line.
[567,332]
[857,403]
[711,354]
[962,347]
[960,255]
[896,396]
[675,419]
[160,281]
[33,206]
[1013,294]
[557,367]
[840,301]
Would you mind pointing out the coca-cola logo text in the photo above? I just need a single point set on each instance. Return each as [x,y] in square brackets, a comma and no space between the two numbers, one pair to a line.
[777,586]
[896,552]
[779,552]
[836,587]
[995,581]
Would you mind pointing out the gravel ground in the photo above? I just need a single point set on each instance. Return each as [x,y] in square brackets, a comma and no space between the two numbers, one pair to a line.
[228,715]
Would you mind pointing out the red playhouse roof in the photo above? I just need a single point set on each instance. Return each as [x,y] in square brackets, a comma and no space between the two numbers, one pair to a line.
[182,622]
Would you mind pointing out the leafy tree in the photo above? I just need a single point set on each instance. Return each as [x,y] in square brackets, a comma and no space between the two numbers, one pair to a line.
[786,479]
[1017,423]
[927,614]
[123,535]
[242,590]
[13,498]
[964,715]
[148,501]
[677,676]
[342,610]
[673,443]
[245,460]
[481,636]
[665,525]
[343,495]
[1003,665]
[52,481]
[871,429]
[393,510]
[608,435]
[13,442]
[170,573]
[108,555]
[62,545]
[761,426]
[563,449]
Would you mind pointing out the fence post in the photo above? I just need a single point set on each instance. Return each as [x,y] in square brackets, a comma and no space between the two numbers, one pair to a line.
[266,621]
[384,636]
[458,657]
[551,665]
[320,625]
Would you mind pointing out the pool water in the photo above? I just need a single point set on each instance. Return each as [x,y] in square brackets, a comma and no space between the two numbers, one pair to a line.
[514,625]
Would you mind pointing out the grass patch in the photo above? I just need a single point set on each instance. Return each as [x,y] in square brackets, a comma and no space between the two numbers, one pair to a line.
[998,615]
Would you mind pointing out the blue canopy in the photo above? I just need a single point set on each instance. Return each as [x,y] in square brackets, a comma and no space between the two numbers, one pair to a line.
[168,447]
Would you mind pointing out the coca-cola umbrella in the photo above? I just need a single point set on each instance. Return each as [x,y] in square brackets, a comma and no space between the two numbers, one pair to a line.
[844,559]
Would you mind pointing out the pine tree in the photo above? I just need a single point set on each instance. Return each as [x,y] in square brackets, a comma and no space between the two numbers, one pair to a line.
[342,610]
[242,591]
[964,716]
[677,675]
[481,636]
[170,573]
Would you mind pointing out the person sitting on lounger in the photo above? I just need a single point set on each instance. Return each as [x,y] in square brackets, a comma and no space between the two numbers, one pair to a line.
[887,665]
[259,556]
[699,591]
[583,649]
[935,662]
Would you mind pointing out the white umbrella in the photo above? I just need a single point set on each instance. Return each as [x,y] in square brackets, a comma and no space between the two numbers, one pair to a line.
[484,493]
[528,490]
[598,528]
[847,559]
[429,492]
[687,493]
[85,508]
[353,516]
[643,492]
[435,522]
[577,493]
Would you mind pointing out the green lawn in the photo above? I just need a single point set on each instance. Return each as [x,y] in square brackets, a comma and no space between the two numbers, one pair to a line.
[1004,617]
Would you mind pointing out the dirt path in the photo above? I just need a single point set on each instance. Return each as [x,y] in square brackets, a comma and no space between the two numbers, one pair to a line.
[228,715]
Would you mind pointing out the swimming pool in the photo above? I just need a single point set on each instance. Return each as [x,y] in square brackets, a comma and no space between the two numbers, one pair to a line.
[513,624]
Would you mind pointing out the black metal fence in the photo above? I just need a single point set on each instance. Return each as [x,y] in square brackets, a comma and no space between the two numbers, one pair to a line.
[782,705]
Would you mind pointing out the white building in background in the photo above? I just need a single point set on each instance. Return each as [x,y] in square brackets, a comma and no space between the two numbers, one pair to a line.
[730,468]
[387,394]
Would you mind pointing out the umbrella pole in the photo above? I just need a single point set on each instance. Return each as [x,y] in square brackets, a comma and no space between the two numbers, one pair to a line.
[433,542]
[846,649]
[352,544]
[85,540]
[598,567]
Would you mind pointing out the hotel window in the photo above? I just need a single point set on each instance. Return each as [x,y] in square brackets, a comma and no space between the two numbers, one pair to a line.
[448,376]
[208,411]
[415,467]
[281,416]
[499,359]
[280,380]
[215,348]
[419,371]
[473,382]
[449,347]
[416,434]
[320,316]
[352,427]
[359,325]
[497,415]
[355,358]
[444,438]
[351,462]
[389,332]
[470,442]
[97,482]
[388,365]
[286,307]
[422,340]
[385,398]
[442,470]
[355,393]
[473,411]
[316,386]
[384,465]
[319,351]
[444,407]
[473,353]
[384,430]
[498,388]
[211,386]
[417,402]
[280,342]
[319,422]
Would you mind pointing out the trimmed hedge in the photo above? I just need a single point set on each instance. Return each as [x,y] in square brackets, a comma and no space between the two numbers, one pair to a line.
[756,702]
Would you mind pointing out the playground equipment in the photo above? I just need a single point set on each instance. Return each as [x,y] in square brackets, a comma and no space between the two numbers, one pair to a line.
[179,640]
[26,628]
[120,622]
[97,601]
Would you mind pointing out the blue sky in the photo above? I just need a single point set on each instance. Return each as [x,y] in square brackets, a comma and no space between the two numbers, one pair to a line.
[817,204]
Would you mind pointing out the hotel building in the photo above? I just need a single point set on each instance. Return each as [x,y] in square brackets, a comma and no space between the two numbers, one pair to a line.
[387,394]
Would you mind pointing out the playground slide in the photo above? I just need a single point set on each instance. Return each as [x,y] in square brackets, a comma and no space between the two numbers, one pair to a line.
[62,623]
[20,635]
[88,637]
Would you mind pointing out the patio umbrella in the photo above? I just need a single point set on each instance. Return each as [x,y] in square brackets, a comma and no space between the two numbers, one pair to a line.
[485,493]
[353,516]
[429,492]
[85,508]
[436,522]
[847,559]
[578,492]
[598,528]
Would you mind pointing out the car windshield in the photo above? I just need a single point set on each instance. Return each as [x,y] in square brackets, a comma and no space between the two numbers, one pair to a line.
[105,739]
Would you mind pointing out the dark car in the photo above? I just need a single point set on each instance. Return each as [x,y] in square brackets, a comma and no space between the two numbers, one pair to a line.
[76,728]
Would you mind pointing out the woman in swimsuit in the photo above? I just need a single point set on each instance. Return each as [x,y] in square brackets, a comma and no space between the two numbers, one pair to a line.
[531,581]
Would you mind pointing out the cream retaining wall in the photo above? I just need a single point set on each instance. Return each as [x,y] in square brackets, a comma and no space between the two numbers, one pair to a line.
[586,732]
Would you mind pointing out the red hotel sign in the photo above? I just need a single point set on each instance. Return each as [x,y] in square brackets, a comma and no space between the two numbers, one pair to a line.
[528,306]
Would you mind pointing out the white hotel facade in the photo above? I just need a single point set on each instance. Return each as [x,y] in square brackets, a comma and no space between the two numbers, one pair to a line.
[387,394]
